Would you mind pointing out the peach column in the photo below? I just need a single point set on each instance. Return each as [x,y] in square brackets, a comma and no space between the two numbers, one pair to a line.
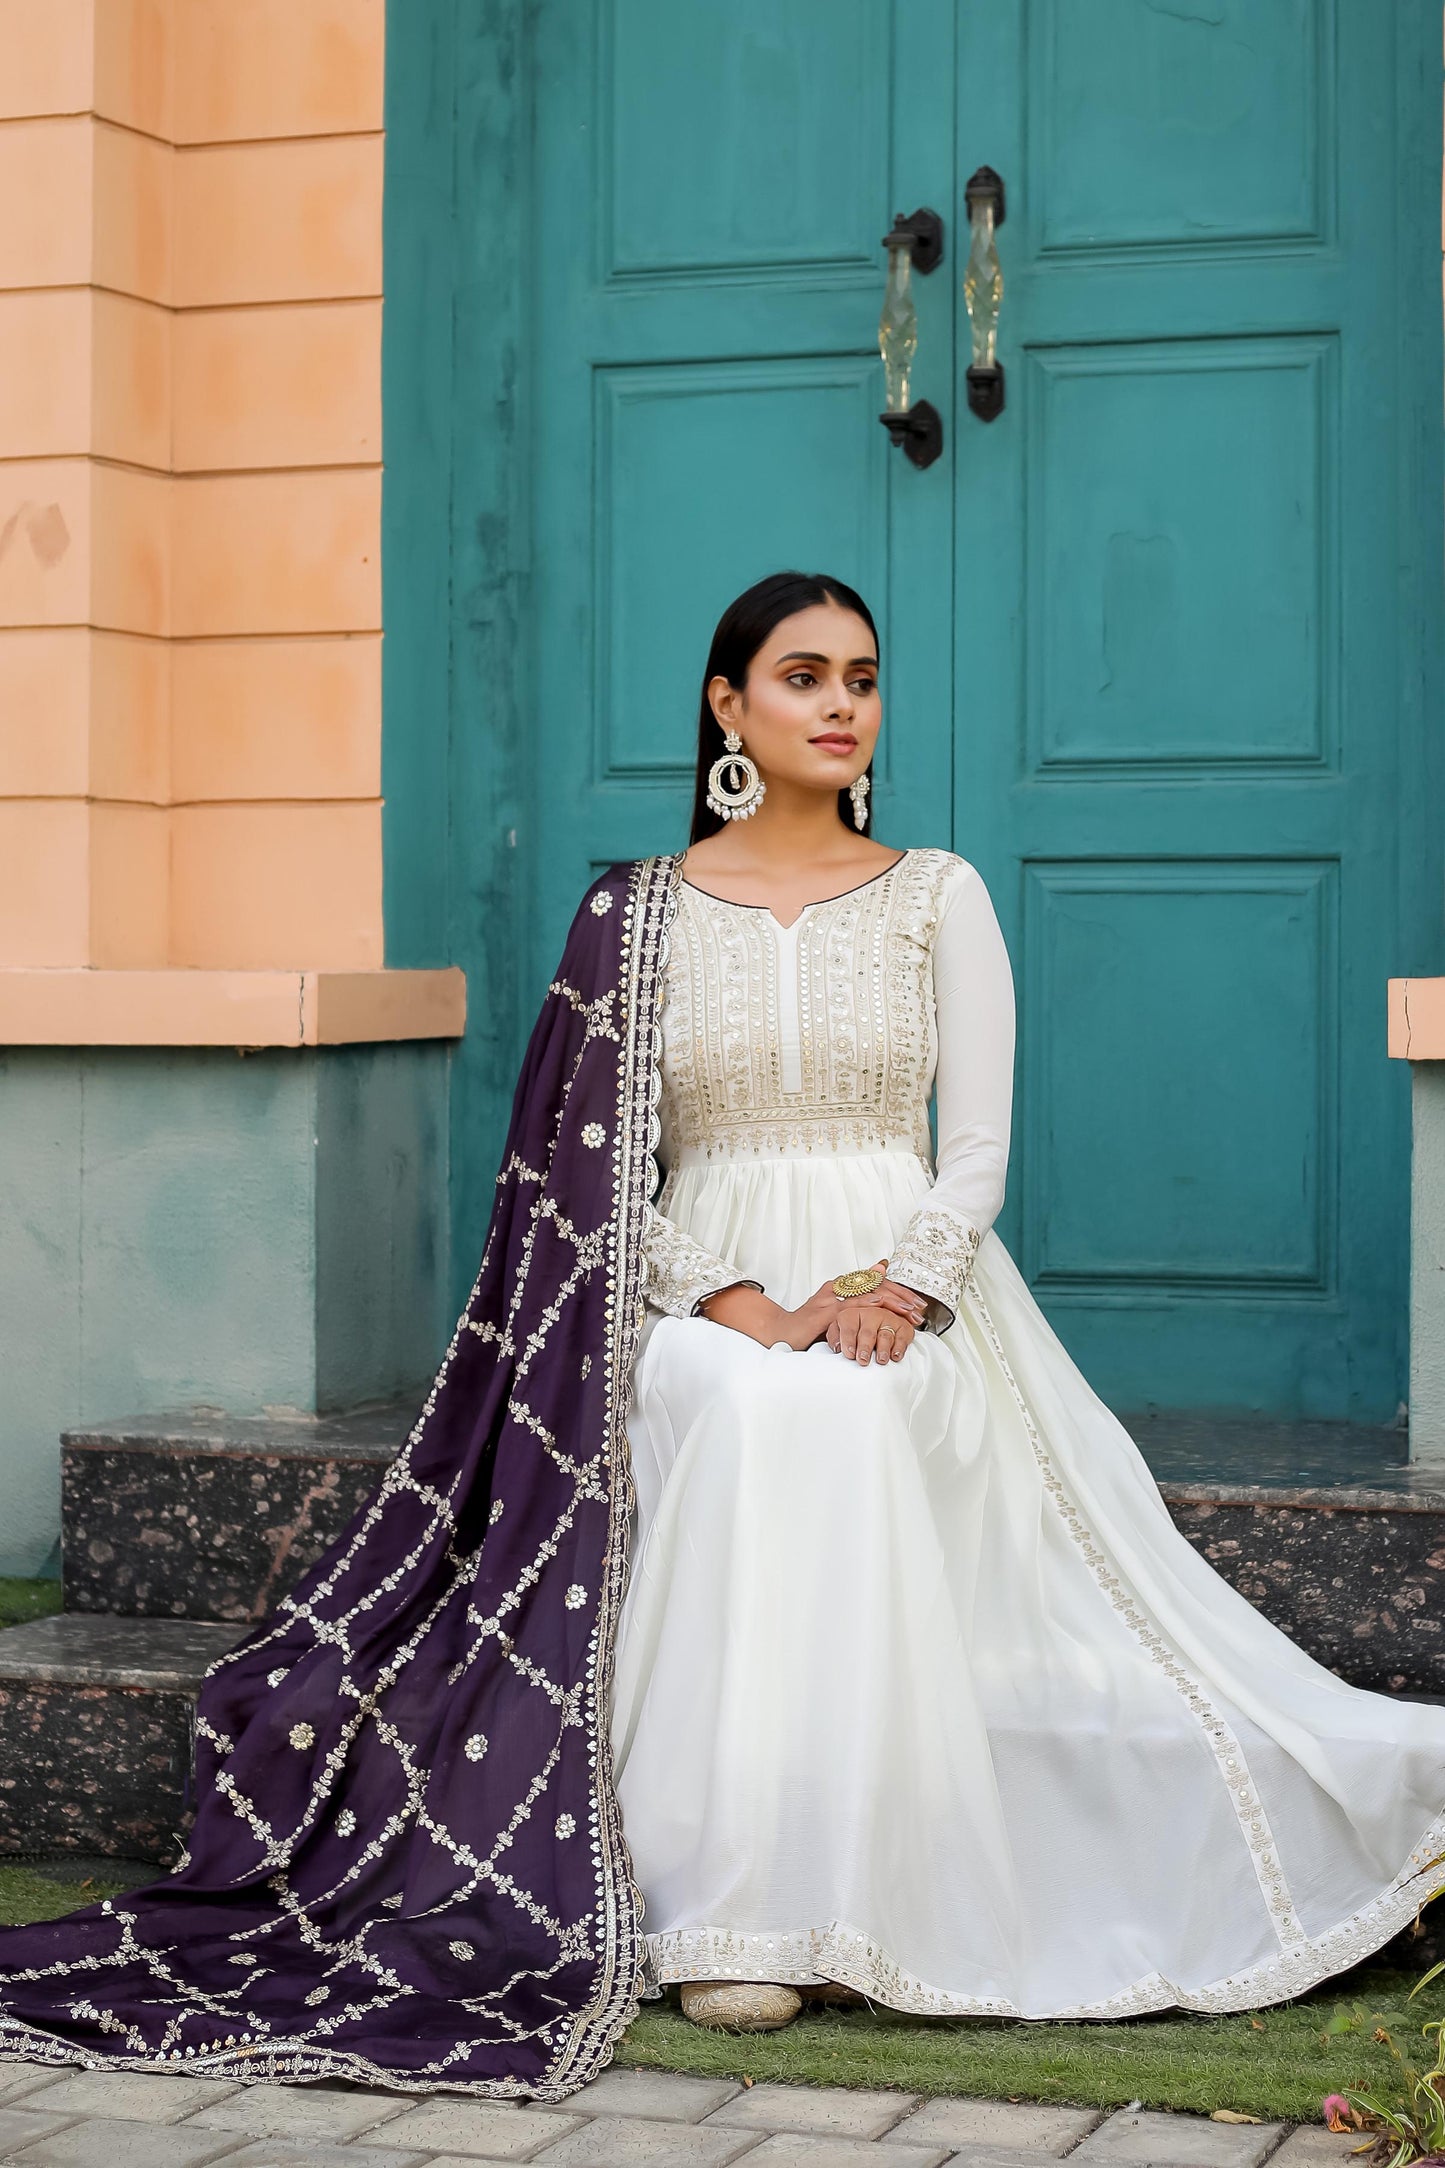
[190,490]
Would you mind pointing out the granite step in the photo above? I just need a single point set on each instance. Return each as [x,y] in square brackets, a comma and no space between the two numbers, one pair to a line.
[96,1734]
[1324,1526]
[96,1731]
[209,1516]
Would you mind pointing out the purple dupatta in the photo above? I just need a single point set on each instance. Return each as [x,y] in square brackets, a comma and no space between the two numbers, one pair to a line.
[408,1865]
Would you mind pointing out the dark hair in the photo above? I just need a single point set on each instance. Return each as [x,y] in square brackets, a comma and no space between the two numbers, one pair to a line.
[741,630]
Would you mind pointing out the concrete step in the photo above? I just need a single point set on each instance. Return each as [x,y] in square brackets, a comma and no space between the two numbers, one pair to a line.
[208,1516]
[96,1732]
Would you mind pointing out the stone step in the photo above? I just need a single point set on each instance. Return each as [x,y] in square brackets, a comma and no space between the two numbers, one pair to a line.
[1322,1525]
[1325,1527]
[96,1728]
[209,1516]
[96,1738]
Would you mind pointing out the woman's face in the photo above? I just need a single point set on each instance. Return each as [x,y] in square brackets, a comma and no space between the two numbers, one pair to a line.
[811,709]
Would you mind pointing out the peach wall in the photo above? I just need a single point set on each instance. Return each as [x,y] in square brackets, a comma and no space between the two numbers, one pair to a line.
[190,488]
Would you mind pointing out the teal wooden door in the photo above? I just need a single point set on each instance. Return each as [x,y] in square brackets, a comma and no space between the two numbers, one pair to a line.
[1153,639]
[1189,653]
[711,186]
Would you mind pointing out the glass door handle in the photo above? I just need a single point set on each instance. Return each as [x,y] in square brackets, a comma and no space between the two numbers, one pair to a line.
[914,244]
[983,292]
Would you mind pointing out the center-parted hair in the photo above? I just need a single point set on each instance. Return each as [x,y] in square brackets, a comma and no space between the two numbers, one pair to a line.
[742,629]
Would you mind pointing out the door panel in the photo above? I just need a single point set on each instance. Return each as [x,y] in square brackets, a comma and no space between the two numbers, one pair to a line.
[1185,786]
[1179,520]
[712,185]
[1178,122]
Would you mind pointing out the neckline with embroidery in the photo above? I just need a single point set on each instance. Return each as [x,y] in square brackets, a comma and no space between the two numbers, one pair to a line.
[816,903]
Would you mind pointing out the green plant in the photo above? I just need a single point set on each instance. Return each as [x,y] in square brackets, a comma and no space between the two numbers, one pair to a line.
[1410,2128]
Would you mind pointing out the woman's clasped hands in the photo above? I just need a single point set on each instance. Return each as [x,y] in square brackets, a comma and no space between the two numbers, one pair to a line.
[875,1328]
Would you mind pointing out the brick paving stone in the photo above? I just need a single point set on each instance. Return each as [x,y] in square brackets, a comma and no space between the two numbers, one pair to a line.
[19,2125]
[133,2096]
[999,2126]
[312,2113]
[1315,2147]
[636,2141]
[995,2156]
[832,2110]
[18,2079]
[286,2153]
[485,2129]
[801,2149]
[667,2094]
[449,2160]
[24,2082]
[105,2142]
[1179,2141]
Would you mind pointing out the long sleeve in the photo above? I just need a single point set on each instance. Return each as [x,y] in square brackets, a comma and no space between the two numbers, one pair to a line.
[974,996]
[678,1273]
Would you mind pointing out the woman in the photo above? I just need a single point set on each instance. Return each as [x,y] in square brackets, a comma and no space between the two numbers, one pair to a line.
[913,1689]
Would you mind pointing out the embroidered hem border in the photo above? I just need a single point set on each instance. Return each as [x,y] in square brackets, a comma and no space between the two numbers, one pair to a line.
[839,1952]
[651,906]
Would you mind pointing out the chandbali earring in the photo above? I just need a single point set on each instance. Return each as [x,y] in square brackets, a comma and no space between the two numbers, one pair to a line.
[735,790]
[858,792]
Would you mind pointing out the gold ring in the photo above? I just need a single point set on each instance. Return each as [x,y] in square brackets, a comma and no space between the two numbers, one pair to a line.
[861,1282]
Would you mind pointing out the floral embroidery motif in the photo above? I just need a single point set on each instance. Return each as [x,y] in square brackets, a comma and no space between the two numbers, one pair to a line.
[278,1677]
[302,1736]
[936,1256]
[679,1273]
[564,1825]
[586,1371]
[496,1513]
[244,1959]
[345,1822]
[317,1995]
[601,903]
[576,1596]
[462,1951]
[476,1746]
[852,1004]
[594,1136]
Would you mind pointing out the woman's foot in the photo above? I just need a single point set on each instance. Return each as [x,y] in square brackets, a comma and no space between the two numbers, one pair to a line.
[740,2005]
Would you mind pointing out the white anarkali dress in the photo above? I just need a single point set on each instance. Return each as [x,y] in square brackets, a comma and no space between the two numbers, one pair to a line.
[917,1686]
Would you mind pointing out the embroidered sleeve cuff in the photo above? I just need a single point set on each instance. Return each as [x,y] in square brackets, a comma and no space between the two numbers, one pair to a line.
[679,1273]
[935,1257]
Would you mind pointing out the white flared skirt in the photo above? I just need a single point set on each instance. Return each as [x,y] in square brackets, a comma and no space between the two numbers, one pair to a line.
[918,1688]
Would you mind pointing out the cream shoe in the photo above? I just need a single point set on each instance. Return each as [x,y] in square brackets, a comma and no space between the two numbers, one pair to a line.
[740,2005]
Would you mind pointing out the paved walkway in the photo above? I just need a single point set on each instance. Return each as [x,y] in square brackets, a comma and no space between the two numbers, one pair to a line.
[117,2119]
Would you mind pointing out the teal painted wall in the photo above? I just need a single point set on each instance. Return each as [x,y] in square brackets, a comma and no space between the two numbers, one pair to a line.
[1427,1265]
[198,1227]
[383,1309]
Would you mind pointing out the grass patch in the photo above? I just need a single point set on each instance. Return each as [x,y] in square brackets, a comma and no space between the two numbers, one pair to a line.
[1272,2063]
[21,1601]
[34,1892]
